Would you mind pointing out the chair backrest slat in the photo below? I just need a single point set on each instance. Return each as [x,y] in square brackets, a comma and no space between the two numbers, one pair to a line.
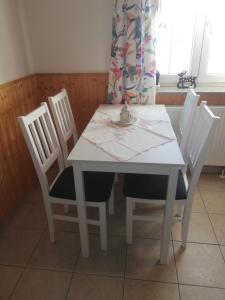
[42,137]
[60,118]
[187,117]
[64,121]
[42,141]
[66,111]
[37,142]
[198,142]
[47,133]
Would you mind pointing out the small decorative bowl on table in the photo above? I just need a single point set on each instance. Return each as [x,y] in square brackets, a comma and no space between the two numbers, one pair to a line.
[126,118]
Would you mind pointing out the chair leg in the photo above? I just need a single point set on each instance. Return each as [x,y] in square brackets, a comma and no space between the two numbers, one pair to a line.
[179,209]
[185,225]
[129,227]
[66,208]
[50,224]
[116,178]
[103,226]
[111,202]
[51,231]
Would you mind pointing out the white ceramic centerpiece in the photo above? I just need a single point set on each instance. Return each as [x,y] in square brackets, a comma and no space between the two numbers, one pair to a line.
[125,115]
[125,118]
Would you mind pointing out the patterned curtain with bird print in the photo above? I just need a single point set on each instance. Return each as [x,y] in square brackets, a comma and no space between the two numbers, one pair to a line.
[133,67]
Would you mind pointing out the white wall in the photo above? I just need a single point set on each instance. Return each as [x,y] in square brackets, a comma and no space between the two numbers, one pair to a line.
[14,57]
[69,35]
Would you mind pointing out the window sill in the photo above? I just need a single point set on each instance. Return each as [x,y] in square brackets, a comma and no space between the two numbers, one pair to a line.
[199,89]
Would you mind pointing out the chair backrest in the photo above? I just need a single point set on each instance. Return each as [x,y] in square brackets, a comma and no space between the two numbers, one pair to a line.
[198,143]
[64,121]
[42,141]
[186,117]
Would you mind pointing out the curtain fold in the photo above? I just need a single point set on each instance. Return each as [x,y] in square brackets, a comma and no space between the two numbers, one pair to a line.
[133,68]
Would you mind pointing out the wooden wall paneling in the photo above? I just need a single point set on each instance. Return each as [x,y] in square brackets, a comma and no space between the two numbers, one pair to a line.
[17,172]
[94,84]
[81,101]
[103,89]
[75,95]
[178,98]
[86,92]
[100,92]
[170,98]
[5,187]
[26,102]
[213,98]
[8,137]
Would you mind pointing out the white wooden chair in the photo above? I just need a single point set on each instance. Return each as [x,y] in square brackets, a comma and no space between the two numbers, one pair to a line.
[145,188]
[66,128]
[186,118]
[64,121]
[44,147]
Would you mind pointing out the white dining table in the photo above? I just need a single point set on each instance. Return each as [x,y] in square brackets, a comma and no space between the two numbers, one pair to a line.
[165,159]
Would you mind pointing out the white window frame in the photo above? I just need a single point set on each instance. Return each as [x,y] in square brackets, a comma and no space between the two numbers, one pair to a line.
[203,76]
[199,57]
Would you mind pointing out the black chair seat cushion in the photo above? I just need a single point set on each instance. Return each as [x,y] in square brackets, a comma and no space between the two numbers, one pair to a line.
[145,186]
[98,186]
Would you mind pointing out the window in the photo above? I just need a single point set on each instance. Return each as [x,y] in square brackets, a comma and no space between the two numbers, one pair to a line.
[190,37]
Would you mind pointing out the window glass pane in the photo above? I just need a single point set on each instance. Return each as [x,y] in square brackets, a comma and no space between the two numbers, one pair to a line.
[215,27]
[175,34]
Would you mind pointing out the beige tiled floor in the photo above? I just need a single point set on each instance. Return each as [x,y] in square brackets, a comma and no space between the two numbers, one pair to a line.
[32,268]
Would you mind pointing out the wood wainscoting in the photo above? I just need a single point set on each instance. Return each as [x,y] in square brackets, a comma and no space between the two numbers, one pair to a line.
[178,98]
[86,92]
[17,174]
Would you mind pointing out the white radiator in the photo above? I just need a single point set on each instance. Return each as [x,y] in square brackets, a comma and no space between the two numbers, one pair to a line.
[216,154]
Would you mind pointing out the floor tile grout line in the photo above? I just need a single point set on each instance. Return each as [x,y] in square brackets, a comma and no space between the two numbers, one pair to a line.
[175,283]
[206,213]
[131,278]
[151,280]
[99,275]
[220,246]
[199,243]
[32,267]
[16,284]
[202,198]
[203,286]
[158,239]
[213,228]
[26,266]
[125,269]
[35,247]
[215,213]
[174,257]
[13,266]
[69,285]
[73,274]
[135,279]
[216,238]
[52,269]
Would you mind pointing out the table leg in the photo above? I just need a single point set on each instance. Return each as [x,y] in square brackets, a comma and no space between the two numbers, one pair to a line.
[168,215]
[81,209]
